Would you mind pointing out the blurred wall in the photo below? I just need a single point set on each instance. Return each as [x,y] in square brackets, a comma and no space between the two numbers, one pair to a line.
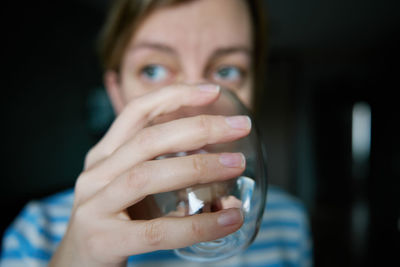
[49,68]
[325,57]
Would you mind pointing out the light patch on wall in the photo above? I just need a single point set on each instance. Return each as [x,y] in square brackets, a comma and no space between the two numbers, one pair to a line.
[361,133]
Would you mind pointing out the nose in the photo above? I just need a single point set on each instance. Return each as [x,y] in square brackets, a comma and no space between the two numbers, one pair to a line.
[193,72]
[194,80]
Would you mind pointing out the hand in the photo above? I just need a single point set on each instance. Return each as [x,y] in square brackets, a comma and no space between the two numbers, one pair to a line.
[120,171]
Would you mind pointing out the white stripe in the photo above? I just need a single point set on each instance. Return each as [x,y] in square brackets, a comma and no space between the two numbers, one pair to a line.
[10,243]
[67,200]
[30,232]
[281,199]
[277,196]
[283,215]
[278,234]
[23,263]
[56,229]
[52,210]
[57,211]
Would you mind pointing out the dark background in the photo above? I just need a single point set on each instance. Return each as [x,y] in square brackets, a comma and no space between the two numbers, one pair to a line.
[324,57]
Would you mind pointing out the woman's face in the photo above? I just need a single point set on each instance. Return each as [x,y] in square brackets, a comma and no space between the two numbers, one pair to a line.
[203,41]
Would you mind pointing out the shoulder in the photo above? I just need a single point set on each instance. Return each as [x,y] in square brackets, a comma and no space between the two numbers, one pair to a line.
[285,232]
[286,218]
[281,206]
[33,236]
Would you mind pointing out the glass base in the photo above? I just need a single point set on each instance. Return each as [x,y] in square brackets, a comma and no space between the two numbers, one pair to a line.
[215,250]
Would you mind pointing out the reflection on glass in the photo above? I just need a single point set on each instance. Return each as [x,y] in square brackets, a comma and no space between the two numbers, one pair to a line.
[248,191]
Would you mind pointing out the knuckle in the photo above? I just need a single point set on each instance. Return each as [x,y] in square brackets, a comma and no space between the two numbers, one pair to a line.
[199,164]
[197,230]
[136,178]
[204,124]
[146,137]
[80,185]
[153,233]
[95,154]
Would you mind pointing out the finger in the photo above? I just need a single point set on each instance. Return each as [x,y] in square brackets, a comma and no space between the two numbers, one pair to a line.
[180,135]
[140,111]
[170,233]
[166,175]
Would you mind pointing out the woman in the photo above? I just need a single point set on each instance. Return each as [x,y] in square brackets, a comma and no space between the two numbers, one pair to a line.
[159,56]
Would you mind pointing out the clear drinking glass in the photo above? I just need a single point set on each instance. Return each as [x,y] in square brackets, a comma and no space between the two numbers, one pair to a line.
[247,191]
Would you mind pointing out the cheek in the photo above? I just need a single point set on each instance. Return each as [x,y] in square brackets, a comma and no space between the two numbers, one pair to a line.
[245,94]
[246,98]
[131,88]
[134,89]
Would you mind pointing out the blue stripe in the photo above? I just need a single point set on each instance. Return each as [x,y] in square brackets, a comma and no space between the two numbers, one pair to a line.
[60,198]
[307,254]
[276,190]
[278,264]
[26,248]
[32,219]
[262,264]
[58,219]
[11,254]
[276,244]
[49,236]
[284,206]
[160,255]
[280,224]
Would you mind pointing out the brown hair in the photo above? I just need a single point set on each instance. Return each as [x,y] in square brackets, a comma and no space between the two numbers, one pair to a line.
[126,15]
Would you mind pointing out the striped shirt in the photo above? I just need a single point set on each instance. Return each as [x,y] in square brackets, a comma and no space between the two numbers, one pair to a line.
[283,240]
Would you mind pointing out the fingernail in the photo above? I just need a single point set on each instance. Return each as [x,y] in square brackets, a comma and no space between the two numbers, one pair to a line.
[230,217]
[239,122]
[232,159]
[209,88]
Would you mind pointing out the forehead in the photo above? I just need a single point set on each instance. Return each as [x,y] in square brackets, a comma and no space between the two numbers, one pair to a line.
[198,25]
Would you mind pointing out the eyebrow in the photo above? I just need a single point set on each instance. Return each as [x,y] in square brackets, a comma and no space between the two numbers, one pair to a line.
[220,52]
[155,46]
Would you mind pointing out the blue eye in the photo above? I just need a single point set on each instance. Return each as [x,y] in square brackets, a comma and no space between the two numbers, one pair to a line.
[228,74]
[155,73]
